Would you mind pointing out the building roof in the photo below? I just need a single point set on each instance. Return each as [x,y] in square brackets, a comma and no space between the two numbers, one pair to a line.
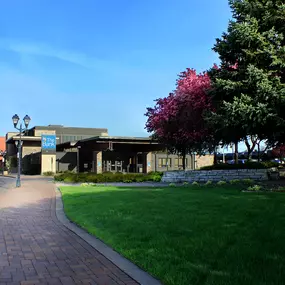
[61,127]
[23,138]
[113,139]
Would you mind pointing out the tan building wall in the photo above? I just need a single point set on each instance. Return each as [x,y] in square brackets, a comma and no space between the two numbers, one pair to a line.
[48,163]
[38,133]
[26,150]
[204,160]
[98,162]
[149,162]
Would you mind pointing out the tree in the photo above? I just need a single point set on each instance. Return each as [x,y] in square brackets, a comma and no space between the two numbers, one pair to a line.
[178,120]
[278,152]
[248,89]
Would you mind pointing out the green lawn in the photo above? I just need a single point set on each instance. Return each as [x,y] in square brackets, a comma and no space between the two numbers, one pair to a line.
[188,235]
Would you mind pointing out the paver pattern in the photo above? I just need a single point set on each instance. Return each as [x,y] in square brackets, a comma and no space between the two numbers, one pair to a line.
[35,248]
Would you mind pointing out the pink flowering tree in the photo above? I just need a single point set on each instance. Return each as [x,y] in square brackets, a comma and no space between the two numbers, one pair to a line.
[178,120]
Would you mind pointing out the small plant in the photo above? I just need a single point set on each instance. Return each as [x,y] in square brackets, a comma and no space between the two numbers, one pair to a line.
[127,181]
[185,183]
[208,183]
[235,181]
[221,183]
[195,183]
[254,188]
[48,173]
[172,185]
[247,181]
[84,184]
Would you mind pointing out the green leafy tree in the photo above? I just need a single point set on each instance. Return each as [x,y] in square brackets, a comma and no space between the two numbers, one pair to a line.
[248,87]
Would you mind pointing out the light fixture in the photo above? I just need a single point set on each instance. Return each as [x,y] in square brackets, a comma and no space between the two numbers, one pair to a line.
[15,120]
[27,120]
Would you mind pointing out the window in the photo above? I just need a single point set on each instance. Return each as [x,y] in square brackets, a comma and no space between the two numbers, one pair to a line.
[179,162]
[164,162]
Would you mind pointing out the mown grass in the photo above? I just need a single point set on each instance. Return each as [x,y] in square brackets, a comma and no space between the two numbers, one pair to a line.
[188,235]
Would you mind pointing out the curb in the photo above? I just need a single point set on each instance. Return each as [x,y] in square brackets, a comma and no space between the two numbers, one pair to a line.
[122,263]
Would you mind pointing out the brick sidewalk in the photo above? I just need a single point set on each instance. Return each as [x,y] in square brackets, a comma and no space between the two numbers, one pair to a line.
[35,248]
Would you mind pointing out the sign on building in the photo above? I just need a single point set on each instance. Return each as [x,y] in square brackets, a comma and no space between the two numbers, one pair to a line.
[49,144]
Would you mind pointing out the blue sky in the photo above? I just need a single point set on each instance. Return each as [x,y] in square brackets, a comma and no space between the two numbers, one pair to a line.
[100,63]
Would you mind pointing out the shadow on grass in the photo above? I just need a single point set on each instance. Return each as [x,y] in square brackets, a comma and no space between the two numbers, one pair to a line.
[188,235]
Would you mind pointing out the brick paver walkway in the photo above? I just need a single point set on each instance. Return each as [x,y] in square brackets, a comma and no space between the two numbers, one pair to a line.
[35,248]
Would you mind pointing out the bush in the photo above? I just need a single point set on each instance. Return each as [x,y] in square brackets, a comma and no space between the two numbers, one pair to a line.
[254,188]
[185,183]
[208,183]
[247,181]
[247,165]
[107,177]
[48,173]
[195,183]
[221,183]
[235,181]
[172,185]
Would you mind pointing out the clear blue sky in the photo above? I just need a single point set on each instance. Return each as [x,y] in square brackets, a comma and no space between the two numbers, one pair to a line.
[100,63]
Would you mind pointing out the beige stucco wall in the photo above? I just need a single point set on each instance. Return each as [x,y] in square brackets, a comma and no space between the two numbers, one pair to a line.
[30,149]
[149,162]
[38,133]
[98,161]
[204,160]
[48,163]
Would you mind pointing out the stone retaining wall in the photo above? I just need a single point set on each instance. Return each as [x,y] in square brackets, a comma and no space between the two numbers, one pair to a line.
[214,175]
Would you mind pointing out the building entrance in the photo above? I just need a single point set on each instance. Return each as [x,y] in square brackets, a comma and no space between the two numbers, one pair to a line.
[112,166]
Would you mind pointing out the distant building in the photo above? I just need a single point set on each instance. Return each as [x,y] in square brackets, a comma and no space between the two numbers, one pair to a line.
[2,150]
[93,150]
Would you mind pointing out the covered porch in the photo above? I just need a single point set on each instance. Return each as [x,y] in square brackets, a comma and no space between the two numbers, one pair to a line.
[113,154]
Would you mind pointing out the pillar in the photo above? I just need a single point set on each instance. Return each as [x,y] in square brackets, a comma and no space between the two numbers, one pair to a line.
[149,166]
[97,159]
[48,163]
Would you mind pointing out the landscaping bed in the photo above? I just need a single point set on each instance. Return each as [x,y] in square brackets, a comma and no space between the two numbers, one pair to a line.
[106,177]
[188,235]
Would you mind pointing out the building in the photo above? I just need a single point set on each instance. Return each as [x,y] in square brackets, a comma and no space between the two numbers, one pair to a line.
[93,150]
[2,151]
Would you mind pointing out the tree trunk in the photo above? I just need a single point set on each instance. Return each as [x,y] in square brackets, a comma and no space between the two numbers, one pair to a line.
[258,151]
[184,160]
[236,152]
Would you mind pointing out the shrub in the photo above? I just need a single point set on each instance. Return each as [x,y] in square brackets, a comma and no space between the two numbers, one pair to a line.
[185,183]
[247,165]
[195,183]
[208,183]
[235,181]
[84,184]
[48,173]
[107,177]
[271,164]
[221,183]
[254,188]
[247,181]
[172,185]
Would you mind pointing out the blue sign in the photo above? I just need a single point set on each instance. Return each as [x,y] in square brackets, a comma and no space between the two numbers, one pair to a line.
[49,142]
[148,164]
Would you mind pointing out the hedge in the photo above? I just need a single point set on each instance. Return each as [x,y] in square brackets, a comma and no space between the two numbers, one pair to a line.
[247,165]
[108,177]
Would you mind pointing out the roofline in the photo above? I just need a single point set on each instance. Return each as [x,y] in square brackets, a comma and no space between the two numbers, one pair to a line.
[66,127]
[119,139]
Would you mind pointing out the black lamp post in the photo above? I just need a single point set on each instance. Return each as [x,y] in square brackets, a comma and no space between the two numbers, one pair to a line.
[16,120]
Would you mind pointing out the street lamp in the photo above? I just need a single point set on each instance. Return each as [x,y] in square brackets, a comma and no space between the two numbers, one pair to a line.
[19,143]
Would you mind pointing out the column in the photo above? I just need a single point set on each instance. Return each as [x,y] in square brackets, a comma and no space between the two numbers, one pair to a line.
[97,162]
[149,164]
